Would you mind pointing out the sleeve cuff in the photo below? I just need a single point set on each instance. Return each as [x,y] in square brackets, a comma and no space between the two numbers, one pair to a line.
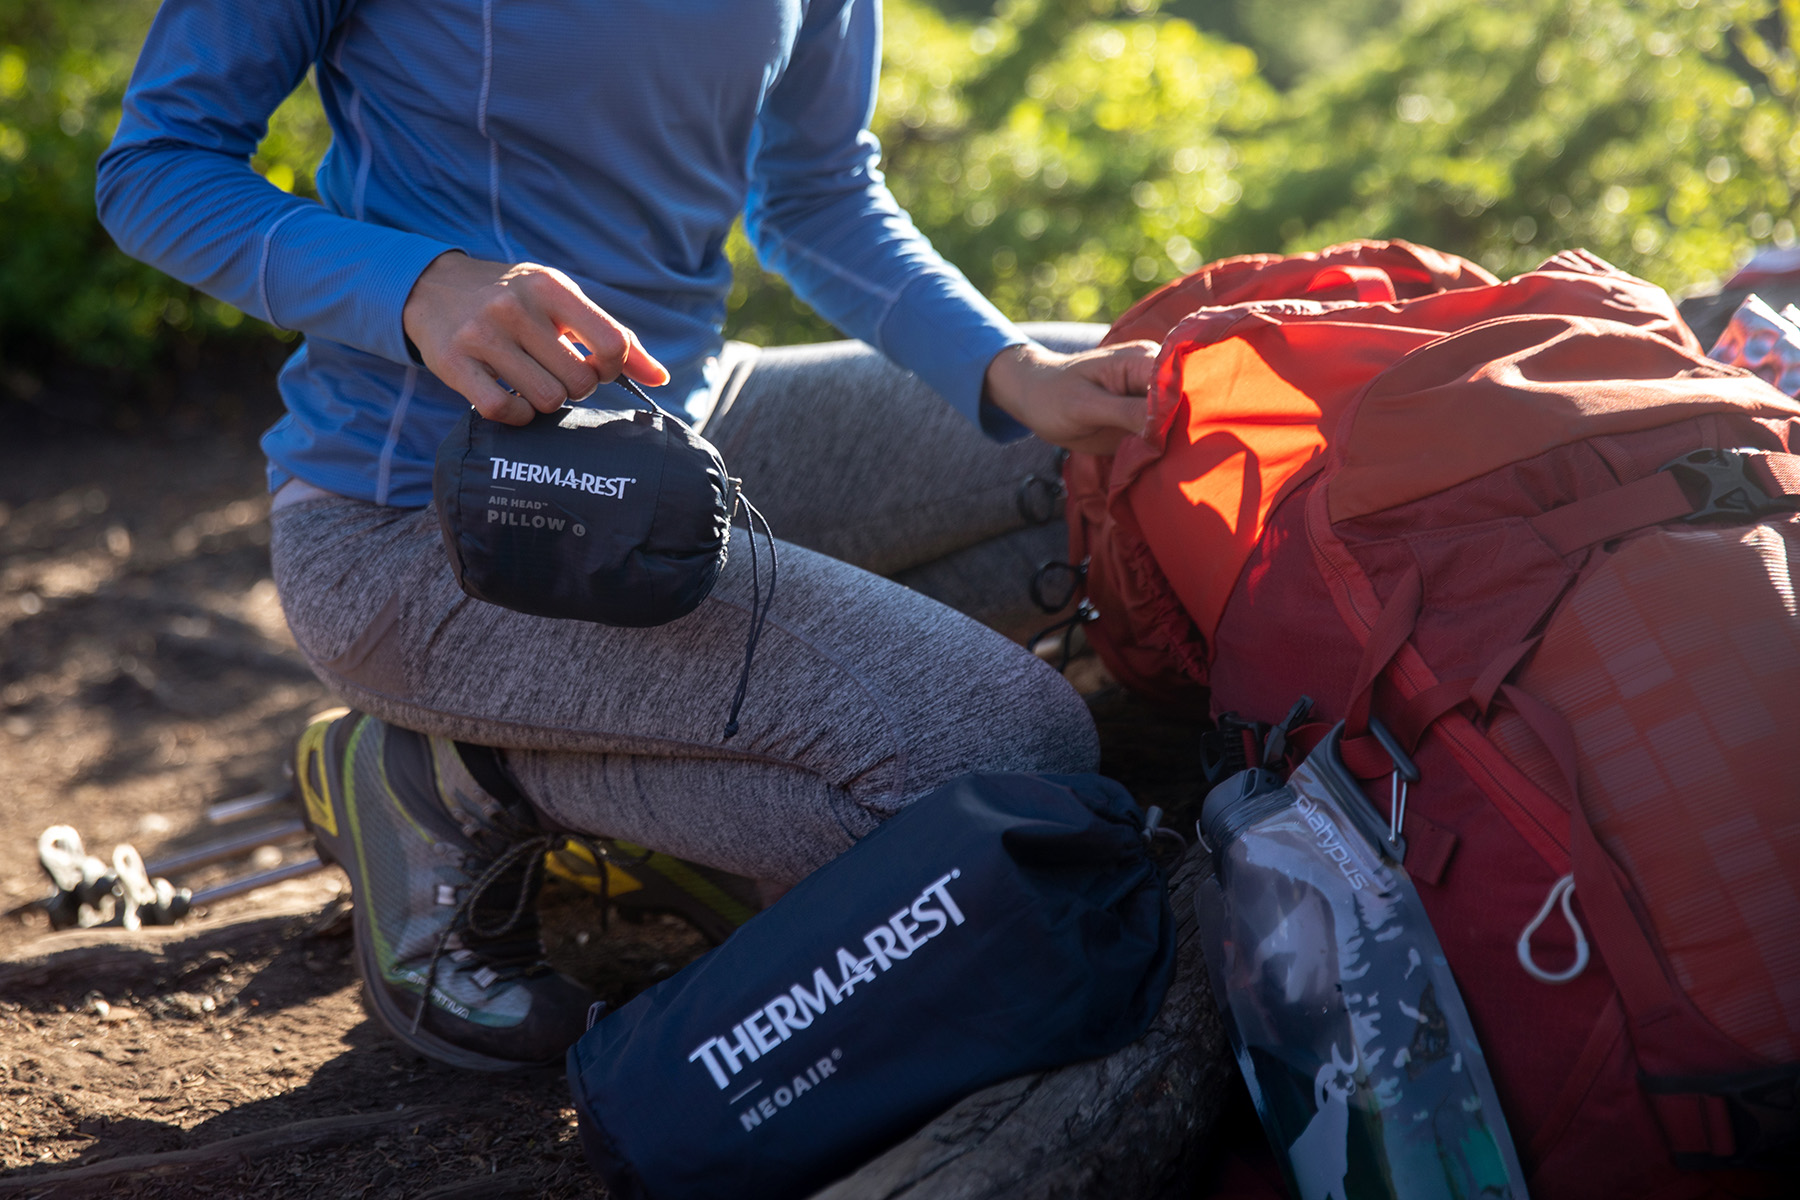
[345,280]
[947,333]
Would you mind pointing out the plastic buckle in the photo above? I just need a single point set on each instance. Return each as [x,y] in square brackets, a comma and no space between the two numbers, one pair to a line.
[1720,484]
[1275,745]
[1226,748]
[1762,1107]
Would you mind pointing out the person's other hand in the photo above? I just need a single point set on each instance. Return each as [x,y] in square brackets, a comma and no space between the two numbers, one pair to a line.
[1089,401]
[475,323]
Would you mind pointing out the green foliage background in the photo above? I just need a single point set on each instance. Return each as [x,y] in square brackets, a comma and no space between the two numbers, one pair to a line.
[1071,154]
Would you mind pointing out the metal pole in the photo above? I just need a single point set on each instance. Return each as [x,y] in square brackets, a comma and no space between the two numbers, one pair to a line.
[249,883]
[253,805]
[227,847]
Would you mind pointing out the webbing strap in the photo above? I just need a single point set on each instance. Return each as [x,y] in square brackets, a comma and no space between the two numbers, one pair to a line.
[1602,1038]
[1391,629]
[1372,285]
[1422,711]
[1496,673]
[1651,500]
[1665,496]
[1776,474]
[1364,757]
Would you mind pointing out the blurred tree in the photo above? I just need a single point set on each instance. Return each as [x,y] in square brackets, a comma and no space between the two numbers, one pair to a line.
[1065,161]
[1070,154]
[1661,134]
[1296,39]
[65,291]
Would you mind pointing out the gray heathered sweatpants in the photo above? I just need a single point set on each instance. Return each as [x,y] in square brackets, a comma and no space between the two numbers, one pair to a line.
[866,691]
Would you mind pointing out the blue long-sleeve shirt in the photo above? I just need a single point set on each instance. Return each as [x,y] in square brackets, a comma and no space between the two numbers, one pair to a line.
[615,140]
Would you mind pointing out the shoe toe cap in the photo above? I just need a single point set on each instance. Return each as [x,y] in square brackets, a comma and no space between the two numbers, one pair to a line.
[554,1019]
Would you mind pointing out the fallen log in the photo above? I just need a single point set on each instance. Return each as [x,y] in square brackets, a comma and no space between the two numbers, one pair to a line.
[322,1133]
[1130,1124]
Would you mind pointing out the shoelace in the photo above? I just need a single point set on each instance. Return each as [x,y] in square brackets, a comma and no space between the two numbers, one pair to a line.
[759,609]
[509,960]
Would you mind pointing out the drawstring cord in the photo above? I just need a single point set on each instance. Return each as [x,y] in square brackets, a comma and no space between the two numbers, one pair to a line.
[640,394]
[1084,612]
[1154,828]
[759,609]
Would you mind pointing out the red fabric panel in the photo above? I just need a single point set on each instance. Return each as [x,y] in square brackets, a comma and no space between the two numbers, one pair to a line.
[1612,1145]
[1674,661]
[1199,498]
[1695,1124]
[1283,639]
[1145,637]
[1511,389]
[1228,458]
[1429,847]
[1412,271]
[1777,474]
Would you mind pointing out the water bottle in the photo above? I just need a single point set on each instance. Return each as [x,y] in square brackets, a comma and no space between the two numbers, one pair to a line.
[1346,1022]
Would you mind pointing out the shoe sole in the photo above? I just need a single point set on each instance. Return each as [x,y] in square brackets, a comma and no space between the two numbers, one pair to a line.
[325,814]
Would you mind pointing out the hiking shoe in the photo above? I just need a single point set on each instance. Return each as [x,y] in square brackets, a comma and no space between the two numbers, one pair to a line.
[444,857]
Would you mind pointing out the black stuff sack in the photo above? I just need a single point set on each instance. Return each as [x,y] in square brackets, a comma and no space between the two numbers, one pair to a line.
[617,516]
[1000,925]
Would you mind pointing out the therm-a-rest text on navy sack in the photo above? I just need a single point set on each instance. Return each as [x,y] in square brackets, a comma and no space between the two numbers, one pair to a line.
[1002,924]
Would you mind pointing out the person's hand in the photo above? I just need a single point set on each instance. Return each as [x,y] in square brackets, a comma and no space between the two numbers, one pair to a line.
[1089,401]
[476,322]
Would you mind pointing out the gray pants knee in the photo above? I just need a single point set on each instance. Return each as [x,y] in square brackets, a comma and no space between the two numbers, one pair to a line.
[865,693]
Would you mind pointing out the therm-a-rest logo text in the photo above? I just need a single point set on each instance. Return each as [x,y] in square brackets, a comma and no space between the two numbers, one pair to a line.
[596,485]
[902,936]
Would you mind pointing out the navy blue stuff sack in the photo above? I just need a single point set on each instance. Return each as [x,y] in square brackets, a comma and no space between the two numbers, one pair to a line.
[1001,925]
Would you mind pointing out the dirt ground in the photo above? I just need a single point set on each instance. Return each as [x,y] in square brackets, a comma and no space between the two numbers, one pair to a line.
[145,671]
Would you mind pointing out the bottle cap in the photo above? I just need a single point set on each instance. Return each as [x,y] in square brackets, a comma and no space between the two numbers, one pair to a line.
[1240,801]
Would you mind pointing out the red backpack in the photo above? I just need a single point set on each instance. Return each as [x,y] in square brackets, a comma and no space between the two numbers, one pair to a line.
[1530,529]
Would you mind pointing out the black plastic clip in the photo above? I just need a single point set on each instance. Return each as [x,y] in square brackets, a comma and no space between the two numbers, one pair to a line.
[1039,499]
[1720,483]
[1055,584]
[1762,1108]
